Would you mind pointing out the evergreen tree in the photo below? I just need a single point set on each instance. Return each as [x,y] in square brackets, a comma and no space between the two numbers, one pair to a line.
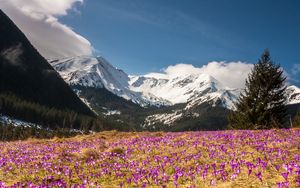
[262,104]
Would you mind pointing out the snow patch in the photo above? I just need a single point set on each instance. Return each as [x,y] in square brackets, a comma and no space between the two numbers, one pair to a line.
[165,118]
[16,122]
[112,112]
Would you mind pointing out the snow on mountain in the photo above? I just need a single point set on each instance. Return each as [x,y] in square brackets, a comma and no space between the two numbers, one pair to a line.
[91,72]
[164,118]
[7,120]
[293,94]
[222,97]
[190,88]
[112,112]
[99,73]
[144,90]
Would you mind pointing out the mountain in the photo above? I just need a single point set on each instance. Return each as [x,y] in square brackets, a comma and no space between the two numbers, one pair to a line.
[193,89]
[191,101]
[204,101]
[190,88]
[27,77]
[96,72]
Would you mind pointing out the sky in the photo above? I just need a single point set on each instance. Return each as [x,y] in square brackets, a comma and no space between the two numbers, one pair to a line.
[219,37]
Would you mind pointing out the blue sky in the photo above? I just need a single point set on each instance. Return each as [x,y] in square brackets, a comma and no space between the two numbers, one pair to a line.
[141,36]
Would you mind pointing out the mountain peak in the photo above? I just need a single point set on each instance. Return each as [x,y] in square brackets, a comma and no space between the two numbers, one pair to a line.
[177,89]
[89,71]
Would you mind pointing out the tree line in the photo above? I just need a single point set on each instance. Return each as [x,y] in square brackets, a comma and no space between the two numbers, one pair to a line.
[48,117]
[49,121]
[11,132]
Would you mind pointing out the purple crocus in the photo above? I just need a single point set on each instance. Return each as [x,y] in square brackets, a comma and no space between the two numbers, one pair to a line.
[259,175]
[285,175]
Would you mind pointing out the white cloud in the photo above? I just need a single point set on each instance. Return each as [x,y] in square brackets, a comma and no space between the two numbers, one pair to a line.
[38,19]
[231,74]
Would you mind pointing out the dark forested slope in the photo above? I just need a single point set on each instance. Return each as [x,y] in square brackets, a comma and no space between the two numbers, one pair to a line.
[27,75]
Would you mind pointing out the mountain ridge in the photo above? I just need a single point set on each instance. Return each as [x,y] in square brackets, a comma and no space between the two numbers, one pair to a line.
[198,99]
[146,90]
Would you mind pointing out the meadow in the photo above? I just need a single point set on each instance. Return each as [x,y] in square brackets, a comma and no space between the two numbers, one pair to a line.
[268,158]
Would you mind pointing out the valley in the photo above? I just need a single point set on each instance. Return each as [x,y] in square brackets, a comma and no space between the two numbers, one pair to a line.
[149,94]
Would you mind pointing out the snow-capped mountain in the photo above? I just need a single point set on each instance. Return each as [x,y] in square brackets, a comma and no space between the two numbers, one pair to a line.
[194,94]
[96,72]
[144,90]
[190,88]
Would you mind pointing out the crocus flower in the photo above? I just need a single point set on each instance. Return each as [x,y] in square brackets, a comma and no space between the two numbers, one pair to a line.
[259,176]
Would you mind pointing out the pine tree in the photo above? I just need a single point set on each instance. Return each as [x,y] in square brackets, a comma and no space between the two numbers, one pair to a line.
[262,104]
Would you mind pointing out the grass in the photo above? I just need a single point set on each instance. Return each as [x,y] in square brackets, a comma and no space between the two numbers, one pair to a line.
[186,159]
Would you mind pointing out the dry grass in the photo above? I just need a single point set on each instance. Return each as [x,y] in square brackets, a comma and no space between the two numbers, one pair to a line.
[101,147]
[89,153]
[117,150]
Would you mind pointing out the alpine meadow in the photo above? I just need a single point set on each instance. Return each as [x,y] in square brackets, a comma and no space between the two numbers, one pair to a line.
[150,94]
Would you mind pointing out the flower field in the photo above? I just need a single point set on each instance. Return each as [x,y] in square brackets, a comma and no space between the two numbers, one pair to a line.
[188,159]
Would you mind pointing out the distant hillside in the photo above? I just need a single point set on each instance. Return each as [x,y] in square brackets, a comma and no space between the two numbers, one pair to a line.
[27,75]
